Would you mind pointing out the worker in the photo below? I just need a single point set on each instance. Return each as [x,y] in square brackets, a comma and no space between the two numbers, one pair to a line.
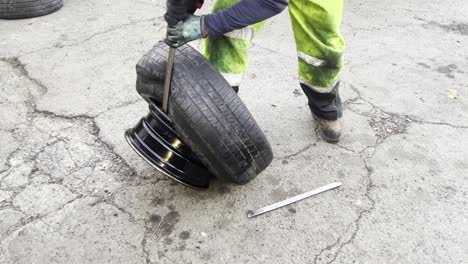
[320,45]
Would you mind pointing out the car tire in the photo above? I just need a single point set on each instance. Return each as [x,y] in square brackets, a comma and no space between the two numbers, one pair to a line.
[17,9]
[207,114]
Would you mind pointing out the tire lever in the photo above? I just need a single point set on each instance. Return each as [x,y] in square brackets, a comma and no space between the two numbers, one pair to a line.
[292,200]
[168,81]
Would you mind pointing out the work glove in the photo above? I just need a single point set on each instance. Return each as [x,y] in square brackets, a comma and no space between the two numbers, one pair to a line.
[192,28]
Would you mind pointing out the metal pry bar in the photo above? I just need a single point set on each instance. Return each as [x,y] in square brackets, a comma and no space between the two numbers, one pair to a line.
[294,199]
[168,81]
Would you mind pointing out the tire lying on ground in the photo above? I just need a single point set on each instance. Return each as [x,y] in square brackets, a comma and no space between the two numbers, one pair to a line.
[207,114]
[17,9]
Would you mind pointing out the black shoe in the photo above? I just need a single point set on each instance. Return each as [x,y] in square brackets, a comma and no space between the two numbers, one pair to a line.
[235,88]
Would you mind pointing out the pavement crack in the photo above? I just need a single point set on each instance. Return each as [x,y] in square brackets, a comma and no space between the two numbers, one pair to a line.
[123,167]
[96,133]
[153,3]
[330,247]
[357,223]
[384,123]
[66,117]
[16,63]
[8,160]
[302,150]
[90,37]
[349,235]
[419,121]
[454,27]
[378,28]
[345,148]
[117,106]
[35,218]
[73,118]
[144,241]
[403,119]
[101,200]
[117,157]
[272,51]
[107,31]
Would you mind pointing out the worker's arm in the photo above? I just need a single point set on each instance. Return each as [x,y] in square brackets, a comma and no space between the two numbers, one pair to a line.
[242,14]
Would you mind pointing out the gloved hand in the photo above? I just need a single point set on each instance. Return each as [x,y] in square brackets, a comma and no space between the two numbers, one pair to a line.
[190,29]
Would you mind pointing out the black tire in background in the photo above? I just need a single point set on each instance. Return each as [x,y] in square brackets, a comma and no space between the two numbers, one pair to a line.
[17,9]
[207,114]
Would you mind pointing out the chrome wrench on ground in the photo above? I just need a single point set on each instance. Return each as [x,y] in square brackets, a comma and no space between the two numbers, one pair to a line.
[292,200]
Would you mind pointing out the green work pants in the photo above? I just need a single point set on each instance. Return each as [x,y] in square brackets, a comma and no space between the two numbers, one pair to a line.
[320,47]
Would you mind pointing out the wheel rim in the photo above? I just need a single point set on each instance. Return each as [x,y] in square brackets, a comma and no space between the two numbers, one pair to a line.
[156,141]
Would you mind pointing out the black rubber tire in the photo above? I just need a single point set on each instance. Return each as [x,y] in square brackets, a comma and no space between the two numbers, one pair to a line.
[17,9]
[151,74]
[207,114]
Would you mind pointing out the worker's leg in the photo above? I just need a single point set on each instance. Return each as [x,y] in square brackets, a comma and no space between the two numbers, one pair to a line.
[228,54]
[320,46]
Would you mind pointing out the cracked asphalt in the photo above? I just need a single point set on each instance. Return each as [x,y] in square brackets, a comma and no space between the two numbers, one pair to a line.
[72,190]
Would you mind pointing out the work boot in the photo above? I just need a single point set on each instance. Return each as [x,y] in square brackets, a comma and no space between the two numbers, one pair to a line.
[329,130]
[327,110]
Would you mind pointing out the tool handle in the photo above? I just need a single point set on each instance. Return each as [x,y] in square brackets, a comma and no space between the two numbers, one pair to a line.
[179,10]
[176,11]
[168,81]
[193,5]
